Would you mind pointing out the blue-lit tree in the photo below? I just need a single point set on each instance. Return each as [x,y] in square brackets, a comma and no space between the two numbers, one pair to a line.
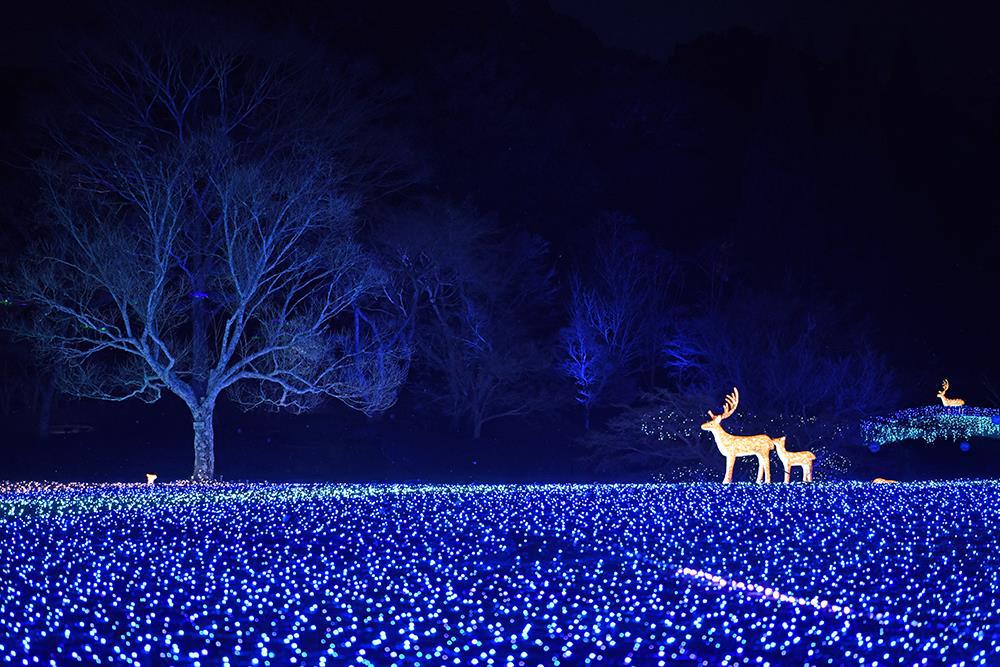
[585,359]
[802,368]
[617,309]
[475,294]
[200,239]
[799,375]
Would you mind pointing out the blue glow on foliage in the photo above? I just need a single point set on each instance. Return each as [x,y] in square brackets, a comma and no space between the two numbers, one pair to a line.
[827,573]
[933,422]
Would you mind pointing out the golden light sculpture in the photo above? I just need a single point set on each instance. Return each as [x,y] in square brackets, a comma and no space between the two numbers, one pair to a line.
[883,480]
[948,402]
[803,459]
[732,446]
[150,478]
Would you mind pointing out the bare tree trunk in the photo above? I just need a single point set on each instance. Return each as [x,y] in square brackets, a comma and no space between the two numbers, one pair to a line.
[204,435]
[204,443]
[201,337]
[477,428]
[199,346]
[586,417]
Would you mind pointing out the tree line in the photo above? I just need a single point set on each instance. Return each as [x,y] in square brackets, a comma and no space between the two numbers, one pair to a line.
[221,224]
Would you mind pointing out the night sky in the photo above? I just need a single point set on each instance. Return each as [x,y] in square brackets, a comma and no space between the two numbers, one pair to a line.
[846,153]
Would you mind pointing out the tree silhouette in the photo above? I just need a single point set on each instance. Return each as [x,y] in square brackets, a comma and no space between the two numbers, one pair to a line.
[617,310]
[200,238]
[477,290]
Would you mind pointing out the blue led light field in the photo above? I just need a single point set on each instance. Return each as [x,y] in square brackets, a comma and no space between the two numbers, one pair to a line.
[829,573]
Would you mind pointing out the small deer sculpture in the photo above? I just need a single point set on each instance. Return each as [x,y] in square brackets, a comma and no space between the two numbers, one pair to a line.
[789,459]
[732,446]
[945,401]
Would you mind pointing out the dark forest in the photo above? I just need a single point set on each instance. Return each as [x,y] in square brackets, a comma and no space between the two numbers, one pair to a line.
[556,248]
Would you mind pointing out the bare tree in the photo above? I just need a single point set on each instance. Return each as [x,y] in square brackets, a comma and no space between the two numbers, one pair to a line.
[617,312]
[614,301]
[801,375]
[478,291]
[792,360]
[586,359]
[201,239]
[478,343]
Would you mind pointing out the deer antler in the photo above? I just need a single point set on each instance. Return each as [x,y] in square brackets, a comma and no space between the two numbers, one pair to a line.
[944,385]
[732,400]
[729,407]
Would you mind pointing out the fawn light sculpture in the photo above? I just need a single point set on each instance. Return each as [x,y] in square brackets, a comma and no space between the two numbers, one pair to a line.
[150,478]
[732,446]
[945,401]
[803,459]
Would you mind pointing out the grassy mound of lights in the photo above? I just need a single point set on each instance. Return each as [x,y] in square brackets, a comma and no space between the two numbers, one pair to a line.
[931,423]
[829,573]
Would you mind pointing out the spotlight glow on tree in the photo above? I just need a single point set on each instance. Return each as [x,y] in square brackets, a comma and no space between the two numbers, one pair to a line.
[202,240]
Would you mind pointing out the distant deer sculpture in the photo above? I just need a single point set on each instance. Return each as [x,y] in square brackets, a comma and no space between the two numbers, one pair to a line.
[732,446]
[789,459]
[150,478]
[945,401]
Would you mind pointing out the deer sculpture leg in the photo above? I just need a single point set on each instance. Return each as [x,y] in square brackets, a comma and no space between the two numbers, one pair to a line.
[730,460]
[763,468]
[788,474]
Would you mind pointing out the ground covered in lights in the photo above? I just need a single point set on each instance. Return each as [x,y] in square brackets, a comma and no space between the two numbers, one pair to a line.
[831,573]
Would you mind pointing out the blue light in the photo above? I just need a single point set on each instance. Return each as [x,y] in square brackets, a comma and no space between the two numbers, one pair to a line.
[933,422]
[496,575]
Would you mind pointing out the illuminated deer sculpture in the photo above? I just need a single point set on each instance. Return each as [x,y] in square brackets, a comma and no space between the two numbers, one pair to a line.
[789,459]
[732,446]
[945,401]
